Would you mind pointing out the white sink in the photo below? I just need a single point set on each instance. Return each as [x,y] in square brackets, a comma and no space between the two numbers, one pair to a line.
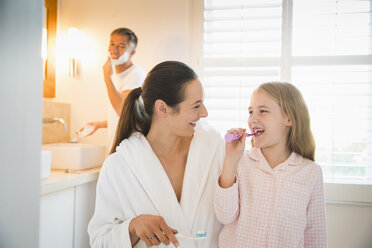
[45,162]
[75,156]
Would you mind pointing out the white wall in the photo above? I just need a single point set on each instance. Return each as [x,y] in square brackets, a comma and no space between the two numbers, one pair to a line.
[349,225]
[163,30]
[349,215]
[20,109]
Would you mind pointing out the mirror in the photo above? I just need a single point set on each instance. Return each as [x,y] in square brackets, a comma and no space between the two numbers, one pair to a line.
[50,57]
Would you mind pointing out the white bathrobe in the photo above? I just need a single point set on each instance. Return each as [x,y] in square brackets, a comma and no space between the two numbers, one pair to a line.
[133,182]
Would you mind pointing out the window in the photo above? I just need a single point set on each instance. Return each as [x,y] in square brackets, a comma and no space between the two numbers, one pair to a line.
[324,47]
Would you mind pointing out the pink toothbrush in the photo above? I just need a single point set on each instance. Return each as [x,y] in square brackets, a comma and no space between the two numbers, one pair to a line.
[234,136]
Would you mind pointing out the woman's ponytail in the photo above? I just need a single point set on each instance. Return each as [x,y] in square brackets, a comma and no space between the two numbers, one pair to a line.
[133,118]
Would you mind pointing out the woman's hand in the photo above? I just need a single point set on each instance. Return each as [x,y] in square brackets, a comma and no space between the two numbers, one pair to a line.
[234,151]
[152,229]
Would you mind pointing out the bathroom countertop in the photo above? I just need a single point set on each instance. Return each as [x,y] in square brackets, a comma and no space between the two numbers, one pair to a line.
[59,179]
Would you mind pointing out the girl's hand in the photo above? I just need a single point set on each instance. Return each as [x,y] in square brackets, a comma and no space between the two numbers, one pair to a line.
[235,149]
[153,230]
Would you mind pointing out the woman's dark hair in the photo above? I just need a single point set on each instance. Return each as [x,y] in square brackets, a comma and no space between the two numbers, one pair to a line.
[166,81]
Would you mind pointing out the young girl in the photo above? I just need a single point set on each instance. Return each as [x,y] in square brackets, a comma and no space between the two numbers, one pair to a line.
[272,195]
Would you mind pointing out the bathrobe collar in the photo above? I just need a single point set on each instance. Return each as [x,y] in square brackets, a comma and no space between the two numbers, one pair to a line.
[201,159]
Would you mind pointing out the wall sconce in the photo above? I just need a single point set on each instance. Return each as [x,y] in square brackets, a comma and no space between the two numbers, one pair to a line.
[73,42]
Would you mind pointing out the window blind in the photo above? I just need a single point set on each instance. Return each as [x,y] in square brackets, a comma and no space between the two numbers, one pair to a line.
[328,57]
[332,66]
[236,35]
[242,28]
[331,27]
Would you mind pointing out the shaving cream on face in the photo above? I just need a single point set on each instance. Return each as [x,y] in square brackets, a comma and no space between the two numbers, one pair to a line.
[121,60]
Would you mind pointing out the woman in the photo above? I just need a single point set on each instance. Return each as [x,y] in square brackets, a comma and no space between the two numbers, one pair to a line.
[161,174]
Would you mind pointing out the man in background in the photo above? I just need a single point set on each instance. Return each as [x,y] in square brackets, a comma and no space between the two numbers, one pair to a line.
[120,76]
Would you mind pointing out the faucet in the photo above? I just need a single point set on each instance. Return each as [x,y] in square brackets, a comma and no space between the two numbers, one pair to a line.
[60,120]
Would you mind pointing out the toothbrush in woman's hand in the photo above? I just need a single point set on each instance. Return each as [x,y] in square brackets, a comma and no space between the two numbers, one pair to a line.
[234,136]
[198,235]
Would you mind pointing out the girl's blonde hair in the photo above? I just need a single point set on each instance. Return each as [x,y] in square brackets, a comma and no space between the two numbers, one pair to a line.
[290,100]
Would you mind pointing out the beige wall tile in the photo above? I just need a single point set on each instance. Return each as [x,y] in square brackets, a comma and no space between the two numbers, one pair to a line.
[54,132]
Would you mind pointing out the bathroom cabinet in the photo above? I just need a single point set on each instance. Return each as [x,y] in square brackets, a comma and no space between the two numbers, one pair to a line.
[57,219]
[85,197]
[66,207]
